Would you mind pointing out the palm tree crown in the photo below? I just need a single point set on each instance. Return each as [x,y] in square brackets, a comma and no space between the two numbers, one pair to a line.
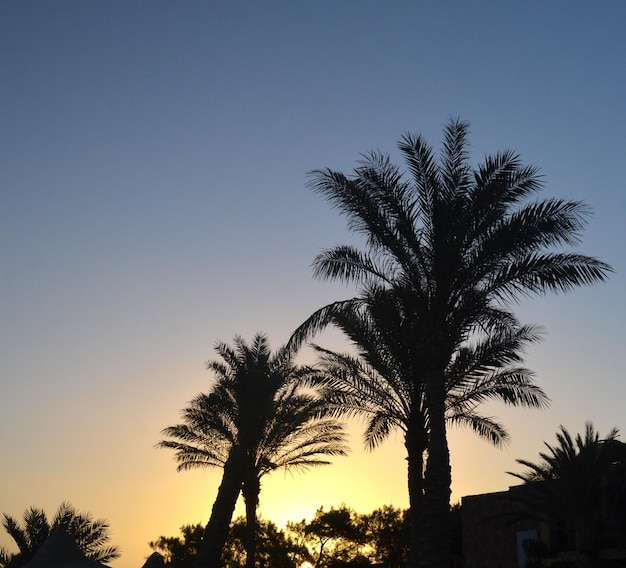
[382,382]
[91,536]
[453,246]
[257,417]
[589,455]
[579,485]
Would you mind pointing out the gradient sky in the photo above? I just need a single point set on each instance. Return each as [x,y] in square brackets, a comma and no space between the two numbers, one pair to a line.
[153,159]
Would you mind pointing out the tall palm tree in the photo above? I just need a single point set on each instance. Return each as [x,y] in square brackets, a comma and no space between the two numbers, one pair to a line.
[580,484]
[91,536]
[380,383]
[454,245]
[254,420]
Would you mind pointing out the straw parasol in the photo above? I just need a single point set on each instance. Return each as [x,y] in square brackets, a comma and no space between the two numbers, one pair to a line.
[155,560]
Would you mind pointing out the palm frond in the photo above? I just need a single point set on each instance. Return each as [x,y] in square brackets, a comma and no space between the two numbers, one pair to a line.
[455,157]
[423,166]
[315,323]
[548,272]
[484,426]
[350,265]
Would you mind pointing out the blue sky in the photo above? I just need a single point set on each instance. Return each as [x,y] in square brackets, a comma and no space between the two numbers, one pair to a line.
[153,166]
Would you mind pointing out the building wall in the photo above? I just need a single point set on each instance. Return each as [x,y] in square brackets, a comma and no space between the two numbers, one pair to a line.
[494,526]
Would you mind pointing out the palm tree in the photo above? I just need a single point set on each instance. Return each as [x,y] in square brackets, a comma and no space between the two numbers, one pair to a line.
[580,485]
[380,383]
[254,420]
[90,535]
[454,246]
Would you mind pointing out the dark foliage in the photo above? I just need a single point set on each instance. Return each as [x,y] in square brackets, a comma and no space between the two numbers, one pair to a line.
[91,536]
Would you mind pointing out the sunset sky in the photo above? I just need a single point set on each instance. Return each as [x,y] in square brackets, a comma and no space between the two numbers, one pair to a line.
[153,160]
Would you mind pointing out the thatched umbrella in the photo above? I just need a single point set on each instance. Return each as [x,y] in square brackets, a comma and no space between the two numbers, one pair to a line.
[155,560]
[60,550]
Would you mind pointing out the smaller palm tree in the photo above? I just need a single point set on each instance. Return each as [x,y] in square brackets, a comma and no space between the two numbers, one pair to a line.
[91,536]
[383,381]
[580,485]
[256,419]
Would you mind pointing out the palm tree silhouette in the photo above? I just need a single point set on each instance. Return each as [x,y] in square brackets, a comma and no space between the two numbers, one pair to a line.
[453,246]
[379,383]
[254,420]
[580,484]
[90,535]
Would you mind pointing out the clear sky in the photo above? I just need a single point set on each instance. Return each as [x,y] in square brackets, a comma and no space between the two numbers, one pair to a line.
[153,159]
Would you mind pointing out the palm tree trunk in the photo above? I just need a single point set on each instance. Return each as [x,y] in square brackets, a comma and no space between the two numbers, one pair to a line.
[415,443]
[433,537]
[216,532]
[252,488]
